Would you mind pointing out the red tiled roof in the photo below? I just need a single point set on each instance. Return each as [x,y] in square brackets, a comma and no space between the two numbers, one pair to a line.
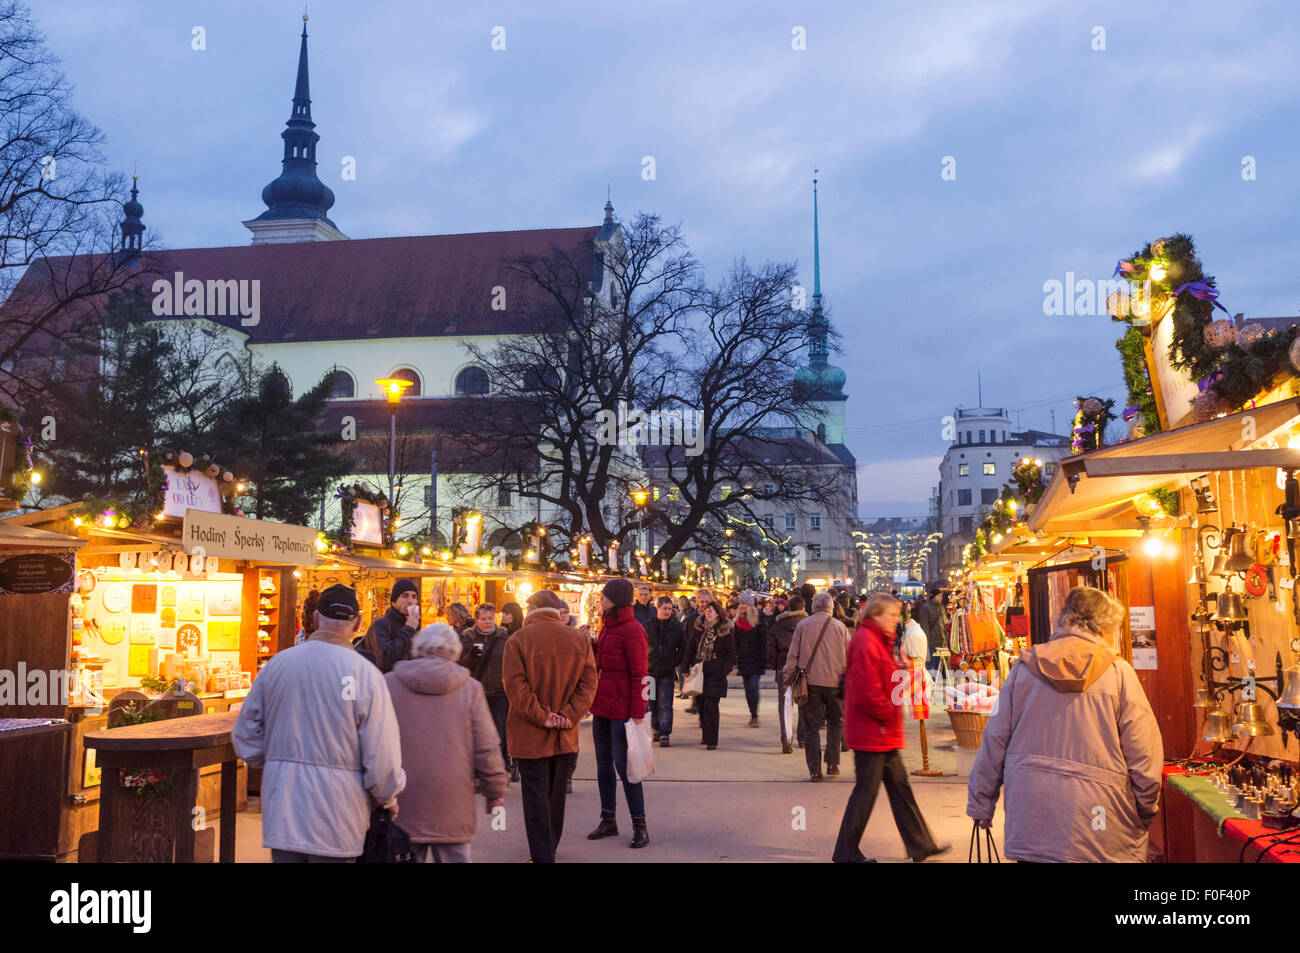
[425,285]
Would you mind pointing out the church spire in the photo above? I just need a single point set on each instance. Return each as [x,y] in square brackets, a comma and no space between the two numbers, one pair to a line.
[297,195]
[132,226]
[609,206]
[818,326]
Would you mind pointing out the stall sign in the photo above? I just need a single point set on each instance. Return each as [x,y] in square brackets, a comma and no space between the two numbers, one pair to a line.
[1177,388]
[190,491]
[29,574]
[366,524]
[235,537]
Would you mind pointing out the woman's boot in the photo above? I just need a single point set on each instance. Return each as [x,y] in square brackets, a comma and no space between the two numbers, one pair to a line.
[639,836]
[606,828]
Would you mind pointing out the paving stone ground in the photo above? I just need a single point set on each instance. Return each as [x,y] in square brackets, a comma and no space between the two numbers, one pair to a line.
[739,803]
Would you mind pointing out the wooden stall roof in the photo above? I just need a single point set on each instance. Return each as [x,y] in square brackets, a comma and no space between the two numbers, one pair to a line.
[28,538]
[1106,480]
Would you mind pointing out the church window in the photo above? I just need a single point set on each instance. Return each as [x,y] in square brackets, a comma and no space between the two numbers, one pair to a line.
[471,381]
[406,374]
[342,385]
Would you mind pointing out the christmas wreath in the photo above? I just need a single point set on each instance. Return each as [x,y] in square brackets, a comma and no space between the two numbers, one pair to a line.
[350,496]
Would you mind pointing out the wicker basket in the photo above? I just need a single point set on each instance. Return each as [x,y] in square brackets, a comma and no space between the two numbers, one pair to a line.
[969,728]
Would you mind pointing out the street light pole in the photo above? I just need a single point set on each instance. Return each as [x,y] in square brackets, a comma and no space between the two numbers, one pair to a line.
[392,451]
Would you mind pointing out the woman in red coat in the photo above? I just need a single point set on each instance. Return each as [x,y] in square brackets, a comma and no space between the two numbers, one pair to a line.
[874,689]
[622,658]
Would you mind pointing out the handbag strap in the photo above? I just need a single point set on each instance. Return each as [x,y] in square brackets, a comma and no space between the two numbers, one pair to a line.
[817,644]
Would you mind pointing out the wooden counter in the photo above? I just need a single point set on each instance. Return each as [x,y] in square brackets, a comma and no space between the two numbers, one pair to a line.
[160,827]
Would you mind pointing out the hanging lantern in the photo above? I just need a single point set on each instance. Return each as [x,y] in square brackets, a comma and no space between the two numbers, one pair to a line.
[1117,303]
[1249,334]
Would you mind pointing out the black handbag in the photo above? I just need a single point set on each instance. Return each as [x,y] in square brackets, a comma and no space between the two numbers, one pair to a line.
[386,843]
[977,855]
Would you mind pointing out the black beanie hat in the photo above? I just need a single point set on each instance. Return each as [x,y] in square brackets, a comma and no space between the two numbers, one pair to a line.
[404,585]
[619,592]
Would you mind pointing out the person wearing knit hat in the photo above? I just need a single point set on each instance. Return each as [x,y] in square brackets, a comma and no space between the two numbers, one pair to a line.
[619,592]
[388,640]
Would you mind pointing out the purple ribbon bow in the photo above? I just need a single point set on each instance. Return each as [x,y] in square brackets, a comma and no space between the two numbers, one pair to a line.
[1207,382]
[1201,289]
[1131,412]
[1123,267]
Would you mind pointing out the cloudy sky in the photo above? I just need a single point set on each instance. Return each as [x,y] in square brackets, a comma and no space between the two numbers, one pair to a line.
[1066,156]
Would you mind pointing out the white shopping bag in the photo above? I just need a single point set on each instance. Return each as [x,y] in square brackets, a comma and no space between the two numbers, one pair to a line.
[787,697]
[640,752]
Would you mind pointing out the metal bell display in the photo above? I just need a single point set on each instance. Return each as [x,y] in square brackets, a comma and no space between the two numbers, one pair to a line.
[1221,556]
[1238,559]
[1216,727]
[1203,698]
[1250,721]
[1231,608]
[1290,698]
[1198,571]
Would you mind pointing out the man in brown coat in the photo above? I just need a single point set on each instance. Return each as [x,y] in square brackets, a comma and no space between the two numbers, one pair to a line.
[550,679]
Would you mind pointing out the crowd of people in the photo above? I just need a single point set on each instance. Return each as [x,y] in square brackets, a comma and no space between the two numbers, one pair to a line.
[421,720]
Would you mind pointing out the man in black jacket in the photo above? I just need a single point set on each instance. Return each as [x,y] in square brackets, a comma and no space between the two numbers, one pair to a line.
[388,640]
[931,617]
[667,644]
[489,640]
[643,610]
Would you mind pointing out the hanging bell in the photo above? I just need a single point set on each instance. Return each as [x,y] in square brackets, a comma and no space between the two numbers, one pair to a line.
[1221,557]
[1198,569]
[1238,559]
[1216,727]
[1290,698]
[1203,698]
[1231,608]
[1205,502]
[1250,721]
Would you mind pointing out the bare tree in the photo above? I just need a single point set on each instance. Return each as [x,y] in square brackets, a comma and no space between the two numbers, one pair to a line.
[59,215]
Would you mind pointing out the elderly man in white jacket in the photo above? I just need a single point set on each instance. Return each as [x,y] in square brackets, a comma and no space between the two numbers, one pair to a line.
[320,721]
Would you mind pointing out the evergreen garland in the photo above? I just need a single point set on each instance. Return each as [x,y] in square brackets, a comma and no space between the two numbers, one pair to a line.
[1232,366]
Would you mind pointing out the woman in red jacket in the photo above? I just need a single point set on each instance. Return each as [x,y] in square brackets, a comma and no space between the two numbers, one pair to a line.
[874,688]
[622,658]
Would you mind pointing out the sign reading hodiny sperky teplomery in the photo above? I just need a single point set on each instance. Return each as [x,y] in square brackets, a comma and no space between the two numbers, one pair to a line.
[236,537]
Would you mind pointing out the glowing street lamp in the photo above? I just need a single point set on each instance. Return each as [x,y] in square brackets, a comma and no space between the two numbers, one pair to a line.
[393,389]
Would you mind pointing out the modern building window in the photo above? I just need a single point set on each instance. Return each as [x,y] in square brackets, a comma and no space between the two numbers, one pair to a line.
[814,551]
[769,489]
[981,436]
[963,469]
[471,381]
[967,524]
[990,469]
[988,497]
[963,497]
[789,522]
[815,523]
[769,521]
[407,374]
[503,496]
[1049,470]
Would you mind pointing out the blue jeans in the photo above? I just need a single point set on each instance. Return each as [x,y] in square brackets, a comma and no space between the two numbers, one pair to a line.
[751,694]
[610,738]
[661,709]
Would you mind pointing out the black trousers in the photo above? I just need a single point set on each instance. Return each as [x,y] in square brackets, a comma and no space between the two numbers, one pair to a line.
[542,783]
[872,768]
[823,708]
[708,707]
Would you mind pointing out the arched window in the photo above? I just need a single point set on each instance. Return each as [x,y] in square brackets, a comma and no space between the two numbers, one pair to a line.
[342,384]
[471,381]
[406,374]
[541,378]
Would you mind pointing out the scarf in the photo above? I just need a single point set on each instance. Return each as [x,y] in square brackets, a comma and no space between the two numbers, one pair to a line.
[709,635]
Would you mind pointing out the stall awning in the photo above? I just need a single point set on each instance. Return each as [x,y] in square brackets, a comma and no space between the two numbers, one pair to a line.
[29,538]
[1091,492]
[380,564]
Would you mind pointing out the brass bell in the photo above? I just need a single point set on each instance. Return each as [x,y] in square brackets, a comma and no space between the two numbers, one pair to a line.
[1198,571]
[1230,608]
[1291,689]
[1250,720]
[1216,727]
[1221,558]
[1203,698]
[1238,559]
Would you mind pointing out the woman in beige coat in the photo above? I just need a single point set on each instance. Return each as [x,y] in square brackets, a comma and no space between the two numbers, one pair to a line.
[448,740]
[1074,743]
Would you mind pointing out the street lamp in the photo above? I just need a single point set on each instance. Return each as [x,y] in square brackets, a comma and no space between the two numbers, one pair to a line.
[393,388]
[639,497]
